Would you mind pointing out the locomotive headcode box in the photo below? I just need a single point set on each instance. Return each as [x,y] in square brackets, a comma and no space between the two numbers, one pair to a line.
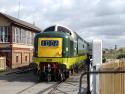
[97,52]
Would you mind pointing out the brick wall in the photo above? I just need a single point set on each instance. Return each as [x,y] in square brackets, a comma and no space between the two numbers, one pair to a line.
[21,58]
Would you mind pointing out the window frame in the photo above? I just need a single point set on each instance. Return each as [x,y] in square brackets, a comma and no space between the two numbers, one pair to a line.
[4,34]
[17,59]
[22,36]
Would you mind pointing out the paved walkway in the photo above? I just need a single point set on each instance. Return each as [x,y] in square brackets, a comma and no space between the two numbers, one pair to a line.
[26,83]
[71,85]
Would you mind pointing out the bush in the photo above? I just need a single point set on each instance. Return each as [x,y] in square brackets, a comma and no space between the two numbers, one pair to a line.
[120,56]
[103,60]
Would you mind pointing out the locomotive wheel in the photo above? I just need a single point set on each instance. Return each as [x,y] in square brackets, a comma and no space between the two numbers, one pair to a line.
[62,77]
[67,74]
[48,77]
[54,77]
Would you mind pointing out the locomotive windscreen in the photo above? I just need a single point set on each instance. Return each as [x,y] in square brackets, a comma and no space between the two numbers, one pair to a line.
[58,29]
[63,29]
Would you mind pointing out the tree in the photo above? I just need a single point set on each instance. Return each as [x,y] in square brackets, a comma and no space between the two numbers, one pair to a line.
[120,56]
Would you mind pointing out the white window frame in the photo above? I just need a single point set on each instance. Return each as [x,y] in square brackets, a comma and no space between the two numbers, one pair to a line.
[23,36]
[17,35]
[3,30]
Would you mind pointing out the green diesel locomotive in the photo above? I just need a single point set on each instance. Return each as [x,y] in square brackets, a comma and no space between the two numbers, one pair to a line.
[57,50]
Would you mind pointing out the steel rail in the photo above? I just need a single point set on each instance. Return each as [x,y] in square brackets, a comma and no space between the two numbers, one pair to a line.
[55,88]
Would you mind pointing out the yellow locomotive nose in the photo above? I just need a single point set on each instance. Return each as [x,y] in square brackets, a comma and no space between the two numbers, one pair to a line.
[58,53]
[50,47]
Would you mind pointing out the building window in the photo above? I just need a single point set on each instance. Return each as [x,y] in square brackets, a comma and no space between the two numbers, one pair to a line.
[29,37]
[14,34]
[17,58]
[33,35]
[22,36]
[26,35]
[4,34]
[25,58]
[17,35]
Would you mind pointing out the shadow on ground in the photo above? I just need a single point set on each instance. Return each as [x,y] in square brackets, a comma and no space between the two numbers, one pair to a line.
[19,77]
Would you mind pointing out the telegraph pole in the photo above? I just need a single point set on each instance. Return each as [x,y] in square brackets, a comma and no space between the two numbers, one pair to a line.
[115,51]
[116,47]
[18,10]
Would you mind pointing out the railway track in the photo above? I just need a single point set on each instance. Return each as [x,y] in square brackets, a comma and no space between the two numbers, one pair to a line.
[55,88]
[46,90]
[24,82]
[20,92]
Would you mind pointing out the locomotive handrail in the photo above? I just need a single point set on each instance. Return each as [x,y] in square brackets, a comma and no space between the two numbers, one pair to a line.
[95,72]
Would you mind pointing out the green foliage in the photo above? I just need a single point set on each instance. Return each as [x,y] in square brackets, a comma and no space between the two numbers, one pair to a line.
[121,56]
[103,60]
[113,54]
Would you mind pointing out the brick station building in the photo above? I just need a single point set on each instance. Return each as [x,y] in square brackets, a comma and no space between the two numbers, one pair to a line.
[16,40]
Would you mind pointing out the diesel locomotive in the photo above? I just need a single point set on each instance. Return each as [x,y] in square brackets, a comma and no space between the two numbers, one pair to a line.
[57,50]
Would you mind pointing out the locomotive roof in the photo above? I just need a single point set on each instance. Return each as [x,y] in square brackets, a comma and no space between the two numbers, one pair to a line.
[60,28]
[78,37]
[51,34]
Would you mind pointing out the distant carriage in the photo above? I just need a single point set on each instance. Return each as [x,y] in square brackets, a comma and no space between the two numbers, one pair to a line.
[56,50]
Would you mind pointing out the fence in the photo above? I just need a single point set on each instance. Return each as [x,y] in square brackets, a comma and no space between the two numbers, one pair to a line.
[112,83]
[2,63]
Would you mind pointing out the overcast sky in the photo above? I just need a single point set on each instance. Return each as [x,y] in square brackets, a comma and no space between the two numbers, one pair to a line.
[91,19]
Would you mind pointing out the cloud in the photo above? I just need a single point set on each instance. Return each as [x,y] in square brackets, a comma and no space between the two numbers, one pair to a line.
[109,7]
[100,19]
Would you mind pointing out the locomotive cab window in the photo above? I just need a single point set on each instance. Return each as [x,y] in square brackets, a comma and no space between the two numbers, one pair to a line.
[50,29]
[63,29]
[49,43]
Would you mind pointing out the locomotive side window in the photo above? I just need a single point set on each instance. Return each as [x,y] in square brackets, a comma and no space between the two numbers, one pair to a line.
[49,43]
